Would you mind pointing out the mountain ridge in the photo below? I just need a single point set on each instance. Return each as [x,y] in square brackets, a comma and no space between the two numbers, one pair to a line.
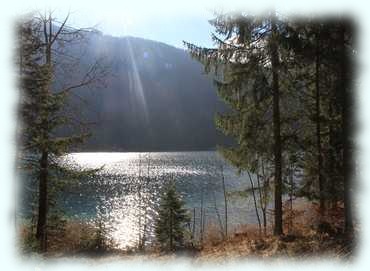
[156,98]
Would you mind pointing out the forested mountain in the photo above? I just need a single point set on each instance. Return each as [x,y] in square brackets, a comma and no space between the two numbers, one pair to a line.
[155,97]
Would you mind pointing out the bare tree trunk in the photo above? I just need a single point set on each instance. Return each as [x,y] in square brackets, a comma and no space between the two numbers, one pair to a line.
[278,214]
[225,200]
[203,224]
[218,217]
[41,232]
[265,196]
[201,219]
[193,227]
[262,204]
[264,221]
[140,201]
[291,183]
[255,203]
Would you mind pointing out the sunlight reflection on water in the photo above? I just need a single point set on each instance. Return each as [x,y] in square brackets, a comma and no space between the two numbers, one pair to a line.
[126,191]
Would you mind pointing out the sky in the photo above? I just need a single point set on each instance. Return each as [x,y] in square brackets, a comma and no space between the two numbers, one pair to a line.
[168,21]
[159,20]
[171,28]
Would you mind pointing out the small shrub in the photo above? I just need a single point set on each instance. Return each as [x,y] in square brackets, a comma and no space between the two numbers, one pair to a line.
[172,219]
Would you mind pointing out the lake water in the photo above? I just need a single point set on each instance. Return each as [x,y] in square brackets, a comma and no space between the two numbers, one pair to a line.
[125,193]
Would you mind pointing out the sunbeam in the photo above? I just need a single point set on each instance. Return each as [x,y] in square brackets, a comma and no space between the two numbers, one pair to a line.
[135,83]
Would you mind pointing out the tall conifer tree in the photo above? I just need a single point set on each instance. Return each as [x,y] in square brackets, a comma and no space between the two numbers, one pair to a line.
[247,69]
[42,113]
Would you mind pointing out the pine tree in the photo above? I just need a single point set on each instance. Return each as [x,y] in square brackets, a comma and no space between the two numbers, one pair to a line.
[323,52]
[171,221]
[41,114]
[248,74]
[288,86]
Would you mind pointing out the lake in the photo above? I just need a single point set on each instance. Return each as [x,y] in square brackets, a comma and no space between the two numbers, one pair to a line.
[125,193]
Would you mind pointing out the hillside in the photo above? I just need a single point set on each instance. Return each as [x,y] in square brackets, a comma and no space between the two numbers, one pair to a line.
[154,98]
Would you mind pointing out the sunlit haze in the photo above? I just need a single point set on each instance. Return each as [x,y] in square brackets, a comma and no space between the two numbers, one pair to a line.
[154,20]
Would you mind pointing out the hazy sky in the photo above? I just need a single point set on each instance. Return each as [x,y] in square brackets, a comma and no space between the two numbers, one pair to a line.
[167,21]
[170,28]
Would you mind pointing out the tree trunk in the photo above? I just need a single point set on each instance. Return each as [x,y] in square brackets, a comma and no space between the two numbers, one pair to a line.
[291,194]
[262,203]
[331,190]
[193,228]
[41,232]
[347,151]
[264,221]
[278,214]
[255,203]
[225,200]
[318,129]
[265,196]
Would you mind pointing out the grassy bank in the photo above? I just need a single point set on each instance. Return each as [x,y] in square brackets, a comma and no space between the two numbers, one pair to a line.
[305,236]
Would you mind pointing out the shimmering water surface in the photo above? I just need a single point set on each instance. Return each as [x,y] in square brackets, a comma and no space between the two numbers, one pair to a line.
[126,191]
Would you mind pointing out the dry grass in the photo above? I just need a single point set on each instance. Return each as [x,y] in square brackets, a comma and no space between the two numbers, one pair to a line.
[78,237]
[305,237]
[212,235]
